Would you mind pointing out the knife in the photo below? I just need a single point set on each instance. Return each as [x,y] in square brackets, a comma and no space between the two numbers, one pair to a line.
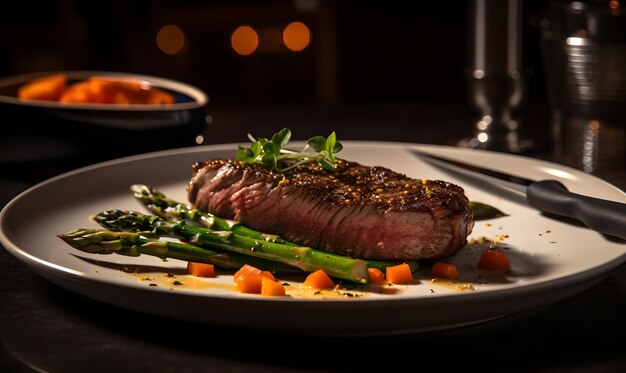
[551,196]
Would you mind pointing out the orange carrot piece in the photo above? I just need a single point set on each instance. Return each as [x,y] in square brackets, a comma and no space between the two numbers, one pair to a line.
[47,88]
[399,274]
[493,259]
[271,288]
[96,90]
[444,270]
[128,92]
[268,274]
[201,269]
[248,279]
[105,90]
[376,275]
[319,280]
[247,268]
[78,93]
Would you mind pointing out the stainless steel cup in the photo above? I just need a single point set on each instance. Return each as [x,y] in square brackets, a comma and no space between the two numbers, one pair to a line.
[584,55]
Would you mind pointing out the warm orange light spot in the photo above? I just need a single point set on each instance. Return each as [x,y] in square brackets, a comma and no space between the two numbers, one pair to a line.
[170,39]
[296,36]
[614,4]
[244,40]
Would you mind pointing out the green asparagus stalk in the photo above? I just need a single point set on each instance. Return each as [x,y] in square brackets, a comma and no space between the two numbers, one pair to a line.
[305,258]
[169,209]
[102,241]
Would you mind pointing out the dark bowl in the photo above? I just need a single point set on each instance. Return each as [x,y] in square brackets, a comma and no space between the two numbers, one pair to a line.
[39,135]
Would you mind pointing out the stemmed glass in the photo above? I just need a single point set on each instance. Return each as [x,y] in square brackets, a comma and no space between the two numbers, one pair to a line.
[496,77]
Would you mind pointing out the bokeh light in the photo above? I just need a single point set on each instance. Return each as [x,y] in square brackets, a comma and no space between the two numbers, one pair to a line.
[296,36]
[171,39]
[244,40]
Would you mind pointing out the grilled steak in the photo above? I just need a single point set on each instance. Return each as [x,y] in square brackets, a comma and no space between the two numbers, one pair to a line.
[359,211]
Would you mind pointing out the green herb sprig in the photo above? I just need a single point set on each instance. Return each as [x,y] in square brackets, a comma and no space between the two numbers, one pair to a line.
[273,154]
[483,211]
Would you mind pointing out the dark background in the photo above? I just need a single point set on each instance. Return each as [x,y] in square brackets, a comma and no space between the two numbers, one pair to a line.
[375,70]
[369,62]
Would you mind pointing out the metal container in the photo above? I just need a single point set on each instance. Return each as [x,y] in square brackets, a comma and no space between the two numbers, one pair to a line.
[584,55]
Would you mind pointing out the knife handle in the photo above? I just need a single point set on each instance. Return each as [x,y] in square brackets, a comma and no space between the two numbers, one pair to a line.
[601,215]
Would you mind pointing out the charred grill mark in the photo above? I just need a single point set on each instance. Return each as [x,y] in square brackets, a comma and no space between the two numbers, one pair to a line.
[357,185]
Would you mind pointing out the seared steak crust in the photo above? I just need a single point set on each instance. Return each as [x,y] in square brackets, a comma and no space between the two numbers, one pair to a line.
[359,211]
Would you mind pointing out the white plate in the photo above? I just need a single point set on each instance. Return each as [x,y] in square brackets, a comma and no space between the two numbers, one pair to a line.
[550,259]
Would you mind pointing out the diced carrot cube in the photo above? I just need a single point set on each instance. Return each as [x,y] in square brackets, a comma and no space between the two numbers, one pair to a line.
[399,274]
[268,274]
[201,269]
[493,259]
[376,275]
[248,279]
[444,270]
[271,288]
[319,280]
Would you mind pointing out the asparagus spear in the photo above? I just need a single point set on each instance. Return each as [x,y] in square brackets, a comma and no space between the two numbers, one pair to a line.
[169,209]
[157,203]
[305,258]
[102,241]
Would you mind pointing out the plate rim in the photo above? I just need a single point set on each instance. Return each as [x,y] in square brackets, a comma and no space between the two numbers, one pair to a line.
[577,280]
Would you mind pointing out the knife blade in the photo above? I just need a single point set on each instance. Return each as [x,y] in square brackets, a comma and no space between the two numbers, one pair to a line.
[547,195]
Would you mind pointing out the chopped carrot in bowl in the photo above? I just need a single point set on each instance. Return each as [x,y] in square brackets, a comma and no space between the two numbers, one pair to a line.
[94,90]
[48,88]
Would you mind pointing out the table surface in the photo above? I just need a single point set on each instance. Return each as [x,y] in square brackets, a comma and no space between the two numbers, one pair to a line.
[47,328]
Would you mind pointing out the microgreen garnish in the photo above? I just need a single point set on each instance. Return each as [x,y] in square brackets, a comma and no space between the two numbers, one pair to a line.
[273,154]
